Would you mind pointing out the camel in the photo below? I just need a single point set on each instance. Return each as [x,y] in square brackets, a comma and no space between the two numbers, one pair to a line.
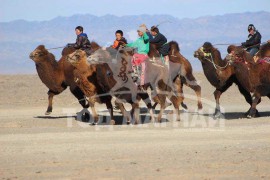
[85,73]
[254,76]
[85,78]
[186,75]
[158,77]
[219,73]
[56,74]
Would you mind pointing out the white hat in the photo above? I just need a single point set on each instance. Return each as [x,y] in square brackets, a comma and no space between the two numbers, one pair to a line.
[142,29]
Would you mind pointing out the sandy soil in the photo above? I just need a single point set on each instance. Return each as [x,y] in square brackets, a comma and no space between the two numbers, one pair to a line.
[35,146]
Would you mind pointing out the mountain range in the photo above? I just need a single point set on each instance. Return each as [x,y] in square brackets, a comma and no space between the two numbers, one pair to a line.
[18,38]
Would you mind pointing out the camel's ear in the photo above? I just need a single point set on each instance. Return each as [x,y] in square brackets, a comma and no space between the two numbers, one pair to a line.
[41,47]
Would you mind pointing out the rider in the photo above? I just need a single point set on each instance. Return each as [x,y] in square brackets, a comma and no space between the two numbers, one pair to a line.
[161,40]
[254,40]
[120,40]
[147,32]
[142,43]
[82,41]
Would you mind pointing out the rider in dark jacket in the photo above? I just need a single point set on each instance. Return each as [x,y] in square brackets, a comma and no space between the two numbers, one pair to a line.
[161,40]
[82,41]
[254,40]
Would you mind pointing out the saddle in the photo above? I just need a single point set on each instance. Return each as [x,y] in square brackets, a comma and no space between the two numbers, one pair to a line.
[264,60]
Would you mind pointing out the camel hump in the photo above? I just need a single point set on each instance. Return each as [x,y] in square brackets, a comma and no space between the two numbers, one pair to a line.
[95,45]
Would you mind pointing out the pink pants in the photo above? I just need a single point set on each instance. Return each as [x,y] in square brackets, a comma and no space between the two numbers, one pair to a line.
[136,61]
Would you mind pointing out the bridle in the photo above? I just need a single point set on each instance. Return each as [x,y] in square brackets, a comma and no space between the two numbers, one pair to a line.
[211,60]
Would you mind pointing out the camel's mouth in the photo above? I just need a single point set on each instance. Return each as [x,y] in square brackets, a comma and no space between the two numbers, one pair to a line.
[32,56]
[196,54]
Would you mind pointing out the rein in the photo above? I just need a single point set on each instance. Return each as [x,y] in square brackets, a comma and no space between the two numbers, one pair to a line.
[215,65]
[56,48]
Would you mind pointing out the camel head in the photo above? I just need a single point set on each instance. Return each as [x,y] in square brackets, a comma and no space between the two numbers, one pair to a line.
[39,54]
[204,51]
[100,55]
[241,55]
[237,55]
[231,52]
[264,51]
[77,58]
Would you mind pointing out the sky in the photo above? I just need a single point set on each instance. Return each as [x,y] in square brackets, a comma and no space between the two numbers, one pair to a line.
[40,10]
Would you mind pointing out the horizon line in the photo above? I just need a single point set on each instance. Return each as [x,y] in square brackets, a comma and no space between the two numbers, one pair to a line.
[88,14]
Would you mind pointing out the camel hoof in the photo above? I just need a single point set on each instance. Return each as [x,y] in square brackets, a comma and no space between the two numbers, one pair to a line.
[184,106]
[48,113]
[217,115]
[93,124]
[253,114]
[112,122]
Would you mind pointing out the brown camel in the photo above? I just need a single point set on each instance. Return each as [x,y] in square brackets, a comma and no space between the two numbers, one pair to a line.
[186,75]
[219,73]
[255,77]
[96,70]
[86,79]
[158,77]
[53,74]
[56,74]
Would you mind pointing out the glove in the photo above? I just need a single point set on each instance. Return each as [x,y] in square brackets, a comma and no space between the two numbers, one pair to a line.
[69,45]
[243,44]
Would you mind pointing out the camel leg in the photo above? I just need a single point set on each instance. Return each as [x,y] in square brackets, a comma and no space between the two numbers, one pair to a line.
[192,83]
[179,83]
[76,91]
[197,90]
[135,112]
[184,106]
[95,115]
[147,101]
[217,95]
[50,99]
[110,109]
[124,111]
[255,99]
[176,102]
[162,99]
[248,99]
[155,105]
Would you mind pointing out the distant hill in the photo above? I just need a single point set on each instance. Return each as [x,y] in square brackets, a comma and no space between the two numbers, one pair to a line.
[18,38]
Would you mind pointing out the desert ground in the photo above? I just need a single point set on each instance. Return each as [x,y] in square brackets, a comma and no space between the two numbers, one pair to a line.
[35,146]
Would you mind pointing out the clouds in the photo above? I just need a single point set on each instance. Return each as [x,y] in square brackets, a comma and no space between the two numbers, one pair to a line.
[48,9]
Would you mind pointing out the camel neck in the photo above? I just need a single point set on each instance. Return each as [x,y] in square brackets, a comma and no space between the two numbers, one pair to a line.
[48,73]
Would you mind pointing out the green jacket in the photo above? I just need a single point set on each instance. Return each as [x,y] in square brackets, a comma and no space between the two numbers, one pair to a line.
[141,43]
